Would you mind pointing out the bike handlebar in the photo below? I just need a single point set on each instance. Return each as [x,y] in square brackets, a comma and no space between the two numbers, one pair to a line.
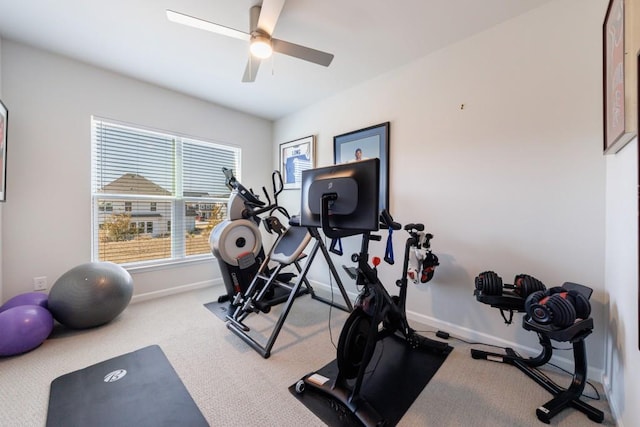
[417,227]
[386,221]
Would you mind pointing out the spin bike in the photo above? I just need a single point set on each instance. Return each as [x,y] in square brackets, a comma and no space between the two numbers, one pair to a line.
[376,315]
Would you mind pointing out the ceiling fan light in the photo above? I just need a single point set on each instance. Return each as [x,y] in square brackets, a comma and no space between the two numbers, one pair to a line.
[261,47]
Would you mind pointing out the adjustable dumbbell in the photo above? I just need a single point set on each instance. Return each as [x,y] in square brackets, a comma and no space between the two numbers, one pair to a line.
[557,306]
[490,283]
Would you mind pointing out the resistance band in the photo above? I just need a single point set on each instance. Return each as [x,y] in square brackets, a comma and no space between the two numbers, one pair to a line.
[388,254]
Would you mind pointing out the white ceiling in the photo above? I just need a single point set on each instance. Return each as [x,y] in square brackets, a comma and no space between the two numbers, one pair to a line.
[367,37]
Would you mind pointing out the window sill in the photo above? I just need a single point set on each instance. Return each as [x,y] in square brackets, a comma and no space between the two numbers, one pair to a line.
[142,267]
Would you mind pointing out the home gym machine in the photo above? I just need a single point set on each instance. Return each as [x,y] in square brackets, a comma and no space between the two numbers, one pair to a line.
[343,199]
[236,242]
[252,284]
[560,314]
[286,251]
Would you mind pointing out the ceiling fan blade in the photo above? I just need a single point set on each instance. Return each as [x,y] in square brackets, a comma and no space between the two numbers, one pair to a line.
[302,52]
[251,70]
[201,24]
[269,14]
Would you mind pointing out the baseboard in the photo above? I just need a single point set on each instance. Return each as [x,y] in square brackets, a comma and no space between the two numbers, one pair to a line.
[323,288]
[175,290]
[615,413]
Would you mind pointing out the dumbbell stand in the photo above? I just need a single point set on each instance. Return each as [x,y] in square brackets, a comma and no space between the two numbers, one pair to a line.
[564,398]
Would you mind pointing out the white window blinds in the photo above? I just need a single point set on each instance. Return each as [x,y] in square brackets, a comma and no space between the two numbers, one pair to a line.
[156,196]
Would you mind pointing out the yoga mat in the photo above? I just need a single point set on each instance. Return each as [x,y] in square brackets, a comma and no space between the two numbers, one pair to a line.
[396,375]
[136,389]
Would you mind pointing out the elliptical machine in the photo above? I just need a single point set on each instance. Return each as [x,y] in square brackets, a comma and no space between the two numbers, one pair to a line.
[252,285]
[237,242]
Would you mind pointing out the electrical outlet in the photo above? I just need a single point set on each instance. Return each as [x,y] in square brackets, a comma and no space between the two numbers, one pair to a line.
[40,283]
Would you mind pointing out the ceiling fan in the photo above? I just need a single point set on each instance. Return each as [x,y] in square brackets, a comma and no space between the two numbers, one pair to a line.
[262,21]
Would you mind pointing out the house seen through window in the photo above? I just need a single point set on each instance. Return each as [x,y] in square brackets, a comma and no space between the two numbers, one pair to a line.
[156,196]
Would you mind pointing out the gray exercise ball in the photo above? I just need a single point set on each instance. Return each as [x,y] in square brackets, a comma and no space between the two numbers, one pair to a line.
[90,295]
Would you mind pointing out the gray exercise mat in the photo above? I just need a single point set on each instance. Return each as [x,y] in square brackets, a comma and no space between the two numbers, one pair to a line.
[136,389]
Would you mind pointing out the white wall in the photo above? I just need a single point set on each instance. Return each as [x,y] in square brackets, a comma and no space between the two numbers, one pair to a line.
[513,182]
[1,257]
[46,226]
[623,355]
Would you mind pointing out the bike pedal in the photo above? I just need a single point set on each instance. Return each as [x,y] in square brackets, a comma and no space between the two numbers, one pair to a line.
[238,324]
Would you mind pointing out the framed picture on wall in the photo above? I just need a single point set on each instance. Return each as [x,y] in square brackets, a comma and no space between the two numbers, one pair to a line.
[365,144]
[4,119]
[620,124]
[295,157]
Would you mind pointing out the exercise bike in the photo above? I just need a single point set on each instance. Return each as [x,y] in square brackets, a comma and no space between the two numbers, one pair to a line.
[376,315]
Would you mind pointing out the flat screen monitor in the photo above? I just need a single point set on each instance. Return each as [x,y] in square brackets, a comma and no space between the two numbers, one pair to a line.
[355,190]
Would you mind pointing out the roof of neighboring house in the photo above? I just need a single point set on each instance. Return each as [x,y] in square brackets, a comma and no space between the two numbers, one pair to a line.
[196,194]
[132,183]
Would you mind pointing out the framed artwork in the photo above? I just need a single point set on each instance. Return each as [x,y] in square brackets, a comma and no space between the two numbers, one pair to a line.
[620,98]
[4,117]
[295,157]
[364,144]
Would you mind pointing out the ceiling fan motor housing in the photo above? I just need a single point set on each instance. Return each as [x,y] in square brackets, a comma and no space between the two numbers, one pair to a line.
[261,44]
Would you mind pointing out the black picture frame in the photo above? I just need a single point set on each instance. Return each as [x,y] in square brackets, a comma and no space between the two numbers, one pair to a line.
[372,141]
[4,124]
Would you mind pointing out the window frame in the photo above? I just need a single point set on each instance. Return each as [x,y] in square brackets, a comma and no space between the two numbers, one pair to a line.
[178,201]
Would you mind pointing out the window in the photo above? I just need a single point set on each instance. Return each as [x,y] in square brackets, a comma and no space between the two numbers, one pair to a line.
[156,196]
[105,206]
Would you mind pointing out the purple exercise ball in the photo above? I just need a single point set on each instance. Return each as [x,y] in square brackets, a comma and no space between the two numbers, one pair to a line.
[24,328]
[29,298]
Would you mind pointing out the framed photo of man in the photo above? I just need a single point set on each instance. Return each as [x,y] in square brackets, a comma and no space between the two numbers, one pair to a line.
[366,143]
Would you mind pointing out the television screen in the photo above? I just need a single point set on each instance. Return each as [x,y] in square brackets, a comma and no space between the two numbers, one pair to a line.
[355,190]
